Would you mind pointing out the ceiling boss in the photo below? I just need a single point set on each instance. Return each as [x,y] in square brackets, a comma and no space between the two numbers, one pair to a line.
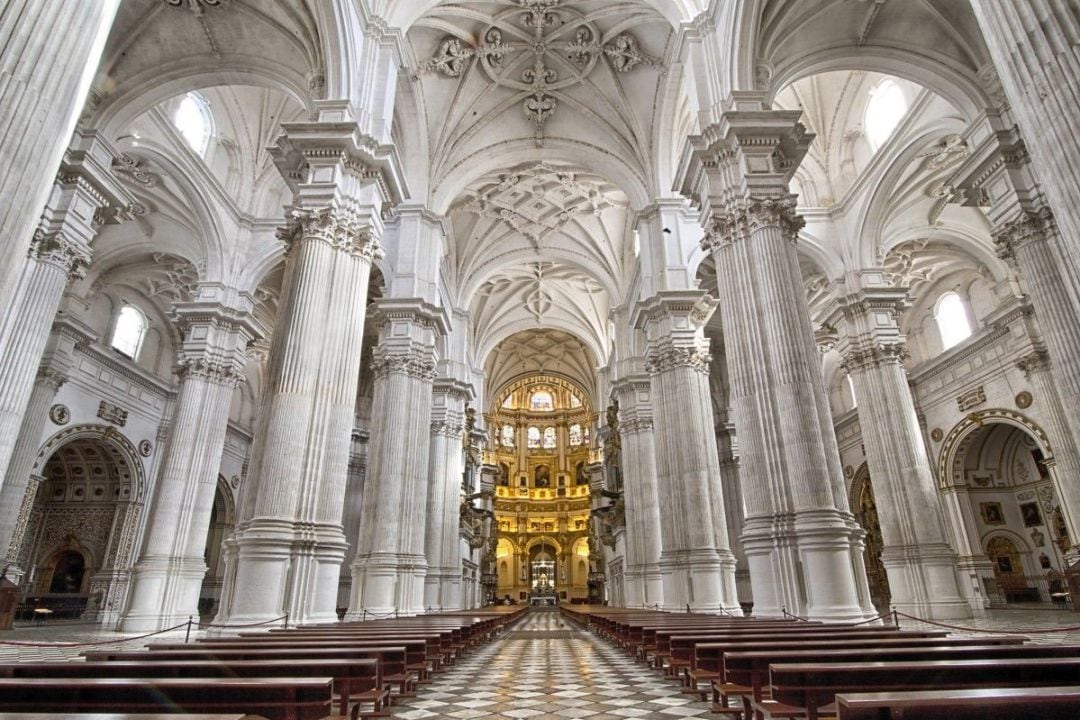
[536,50]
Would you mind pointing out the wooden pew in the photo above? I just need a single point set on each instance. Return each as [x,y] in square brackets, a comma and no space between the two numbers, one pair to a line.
[356,680]
[125,716]
[273,698]
[391,658]
[1044,703]
[807,687]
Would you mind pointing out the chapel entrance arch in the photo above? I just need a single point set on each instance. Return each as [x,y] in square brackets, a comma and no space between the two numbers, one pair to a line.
[997,479]
[78,523]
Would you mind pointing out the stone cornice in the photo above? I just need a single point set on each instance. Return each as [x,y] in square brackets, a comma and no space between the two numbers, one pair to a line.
[411,310]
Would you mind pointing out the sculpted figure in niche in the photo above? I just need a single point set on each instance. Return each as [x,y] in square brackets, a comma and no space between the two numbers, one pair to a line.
[543,477]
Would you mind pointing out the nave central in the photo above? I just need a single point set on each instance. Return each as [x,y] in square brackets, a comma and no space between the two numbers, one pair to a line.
[544,667]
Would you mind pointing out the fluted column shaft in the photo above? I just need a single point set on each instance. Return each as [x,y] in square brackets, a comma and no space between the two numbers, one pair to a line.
[53,260]
[390,566]
[802,544]
[16,481]
[48,51]
[169,573]
[289,545]
[1032,244]
[637,445]
[1035,45]
[920,562]
[696,564]
[731,490]
[442,540]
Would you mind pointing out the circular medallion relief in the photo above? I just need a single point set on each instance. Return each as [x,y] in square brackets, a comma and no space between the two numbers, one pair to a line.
[849,471]
[1024,399]
[59,414]
[145,448]
[936,434]
[235,481]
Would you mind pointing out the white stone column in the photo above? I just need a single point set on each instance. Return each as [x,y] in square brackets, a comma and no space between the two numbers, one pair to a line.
[731,489]
[442,539]
[49,53]
[170,570]
[802,544]
[920,562]
[696,563]
[1031,244]
[289,545]
[1035,45]
[54,259]
[643,581]
[388,574]
[17,481]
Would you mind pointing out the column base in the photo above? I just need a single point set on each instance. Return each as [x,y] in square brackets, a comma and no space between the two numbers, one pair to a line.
[442,590]
[285,566]
[387,584]
[923,582]
[164,593]
[702,580]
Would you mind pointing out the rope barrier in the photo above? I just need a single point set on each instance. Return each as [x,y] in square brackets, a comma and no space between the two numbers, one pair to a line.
[284,617]
[889,615]
[1014,631]
[793,615]
[16,643]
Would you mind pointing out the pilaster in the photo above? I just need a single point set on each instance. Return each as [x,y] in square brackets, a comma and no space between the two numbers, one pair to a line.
[170,570]
[918,558]
[390,566]
[696,564]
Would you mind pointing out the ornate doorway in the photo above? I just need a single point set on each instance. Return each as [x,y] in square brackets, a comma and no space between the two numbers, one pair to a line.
[862,493]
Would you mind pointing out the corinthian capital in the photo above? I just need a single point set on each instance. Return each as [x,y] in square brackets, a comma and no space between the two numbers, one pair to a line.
[775,212]
[723,229]
[339,228]
[669,356]
[214,370]
[1034,362]
[874,355]
[55,248]
[1031,226]
[413,362]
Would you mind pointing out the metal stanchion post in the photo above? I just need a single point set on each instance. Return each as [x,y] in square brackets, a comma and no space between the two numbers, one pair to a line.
[187,634]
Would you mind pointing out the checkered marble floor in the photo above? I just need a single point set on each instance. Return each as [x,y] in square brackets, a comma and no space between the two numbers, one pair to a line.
[545,668]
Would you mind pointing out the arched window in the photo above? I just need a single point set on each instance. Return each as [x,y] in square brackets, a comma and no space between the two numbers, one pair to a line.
[884,112]
[508,435]
[952,320]
[575,435]
[129,331]
[549,438]
[508,403]
[533,437]
[575,401]
[194,122]
[851,392]
[541,401]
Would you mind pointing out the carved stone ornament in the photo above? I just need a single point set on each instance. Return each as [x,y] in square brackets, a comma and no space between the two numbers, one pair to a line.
[737,222]
[937,434]
[1034,362]
[209,369]
[668,357]
[417,365]
[1024,399]
[132,168]
[1030,227]
[234,482]
[874,356]
[971,399]
[537,49]
[55,248]
[340,229]
[60,414]
[112,413]
[145,448]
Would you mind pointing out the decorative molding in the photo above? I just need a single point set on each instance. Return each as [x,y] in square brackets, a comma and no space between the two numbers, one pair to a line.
[415,363]
[340,229]
[971,399]
[668,356]
[55,248]
[112,413]
[60,414]
[873,356]
[564,44]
